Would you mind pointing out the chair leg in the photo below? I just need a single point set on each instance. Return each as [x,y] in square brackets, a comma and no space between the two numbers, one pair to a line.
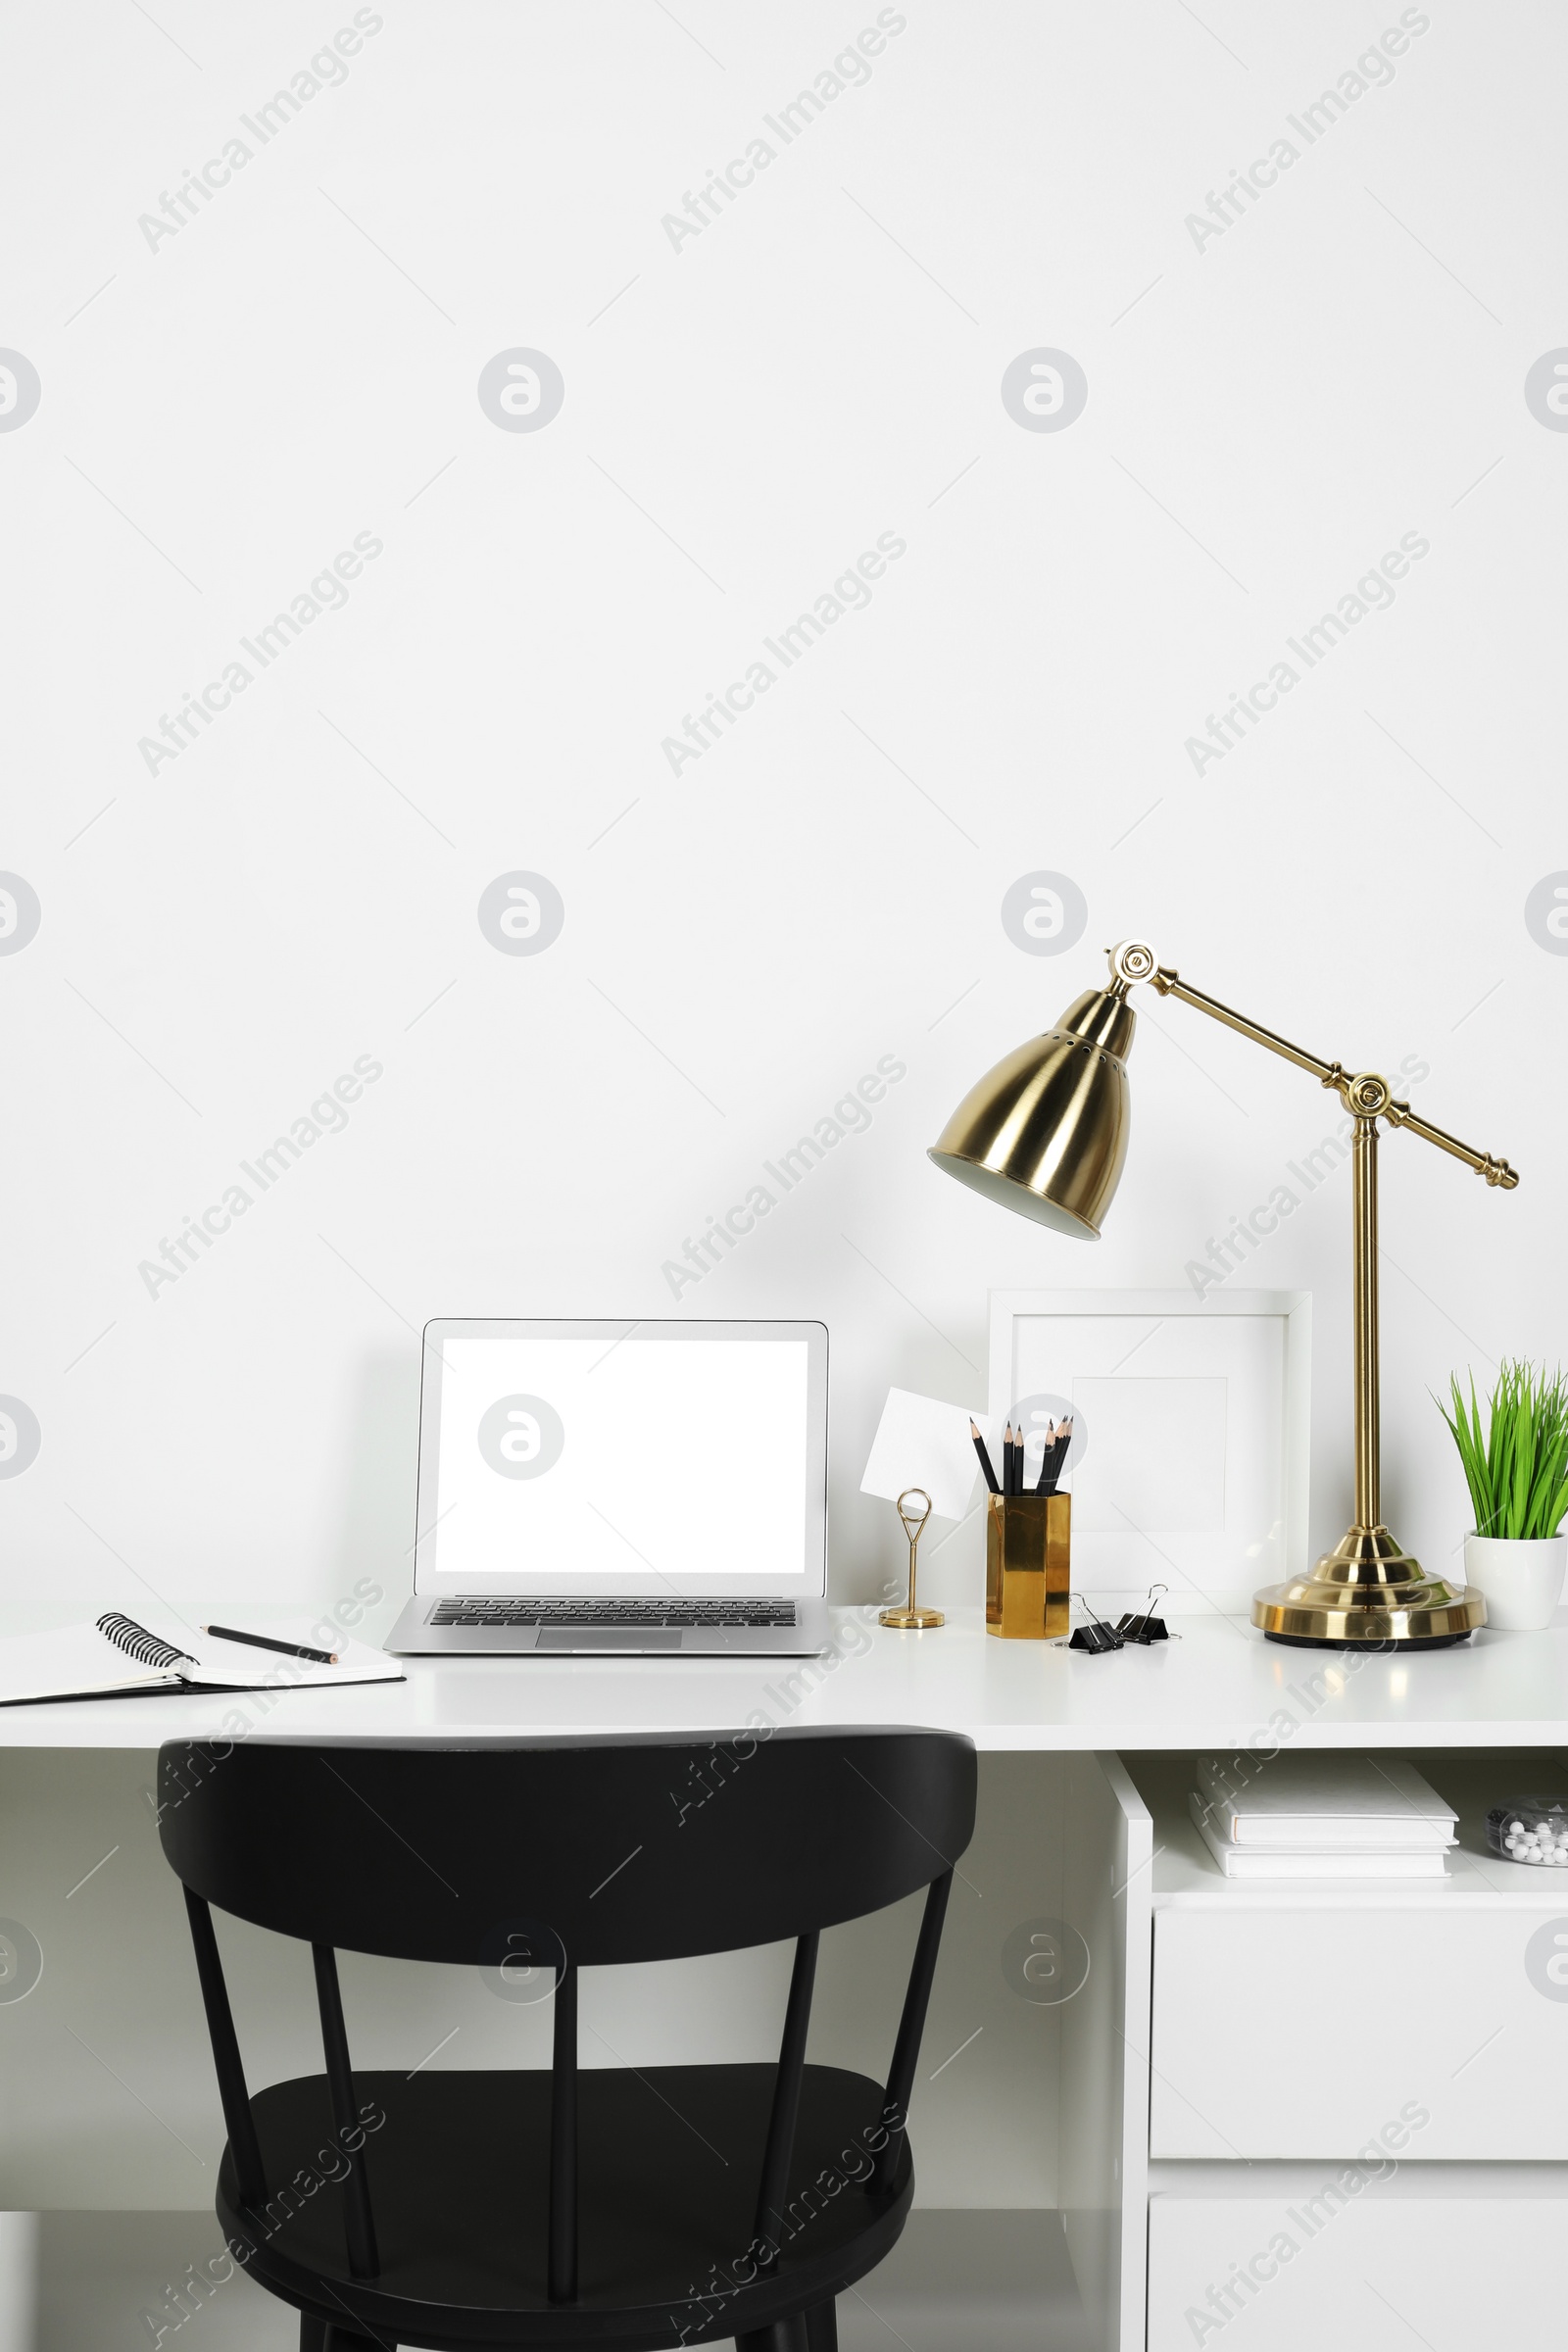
[785,2335]
[822,2327]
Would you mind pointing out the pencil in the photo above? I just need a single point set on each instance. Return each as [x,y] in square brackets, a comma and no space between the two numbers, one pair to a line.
[1050,1461]
[985,1458]
[288,1649]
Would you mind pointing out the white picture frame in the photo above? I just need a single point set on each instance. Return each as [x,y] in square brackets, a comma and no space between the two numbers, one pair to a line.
[1190,1469]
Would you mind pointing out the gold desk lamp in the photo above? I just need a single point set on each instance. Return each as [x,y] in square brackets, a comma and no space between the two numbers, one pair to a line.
[1044,1134]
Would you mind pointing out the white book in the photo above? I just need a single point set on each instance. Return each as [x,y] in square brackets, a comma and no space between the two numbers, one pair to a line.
[1315,1800]
[1256,1862]
[116,1657]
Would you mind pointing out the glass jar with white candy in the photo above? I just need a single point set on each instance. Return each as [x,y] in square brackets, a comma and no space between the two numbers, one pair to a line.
[1532,1829]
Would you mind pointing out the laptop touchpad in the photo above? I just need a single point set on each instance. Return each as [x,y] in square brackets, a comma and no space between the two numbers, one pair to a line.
[631,1640]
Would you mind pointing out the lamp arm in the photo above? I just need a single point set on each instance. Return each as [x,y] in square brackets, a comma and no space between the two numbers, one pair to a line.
[1364,1096]
[1495,1171]
[1168,983]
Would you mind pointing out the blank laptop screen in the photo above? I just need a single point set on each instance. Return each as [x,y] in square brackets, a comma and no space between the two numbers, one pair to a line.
[586,1461]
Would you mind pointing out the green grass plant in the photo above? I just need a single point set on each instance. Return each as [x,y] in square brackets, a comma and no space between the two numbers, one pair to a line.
[1517,1467]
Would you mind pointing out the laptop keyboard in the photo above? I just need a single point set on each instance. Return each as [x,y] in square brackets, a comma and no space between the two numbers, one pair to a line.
[700,1616]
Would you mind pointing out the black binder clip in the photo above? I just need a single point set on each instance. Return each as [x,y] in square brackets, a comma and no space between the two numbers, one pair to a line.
[1142,1626]
[1094,1635]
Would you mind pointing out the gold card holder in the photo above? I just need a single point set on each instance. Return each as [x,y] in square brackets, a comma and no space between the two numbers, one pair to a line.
[910,1619]
[1028,1566]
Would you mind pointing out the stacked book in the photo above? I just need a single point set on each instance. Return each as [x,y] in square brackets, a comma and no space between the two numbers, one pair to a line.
[1321,1817]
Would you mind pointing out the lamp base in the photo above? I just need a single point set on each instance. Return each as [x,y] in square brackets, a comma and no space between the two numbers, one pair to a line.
[1366,1593]
[1367,1648]
[911,1621]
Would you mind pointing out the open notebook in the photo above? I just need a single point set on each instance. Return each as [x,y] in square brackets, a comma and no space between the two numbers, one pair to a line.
[117,1658]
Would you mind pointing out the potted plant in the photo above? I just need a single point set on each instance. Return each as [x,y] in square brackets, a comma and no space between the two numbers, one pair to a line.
[1517,1473]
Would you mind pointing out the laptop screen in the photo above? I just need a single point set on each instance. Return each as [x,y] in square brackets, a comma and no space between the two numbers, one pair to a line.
[616,1459]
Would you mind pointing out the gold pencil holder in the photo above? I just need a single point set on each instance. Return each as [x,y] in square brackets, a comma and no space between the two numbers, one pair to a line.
[1028,1565]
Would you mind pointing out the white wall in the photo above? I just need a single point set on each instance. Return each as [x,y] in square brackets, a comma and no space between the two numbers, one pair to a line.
[1267,414]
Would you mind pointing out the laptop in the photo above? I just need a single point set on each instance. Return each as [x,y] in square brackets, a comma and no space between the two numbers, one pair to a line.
[640,1488]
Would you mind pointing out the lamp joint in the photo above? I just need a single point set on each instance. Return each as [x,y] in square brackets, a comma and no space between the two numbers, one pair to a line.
[1368,1095]
[1135,960]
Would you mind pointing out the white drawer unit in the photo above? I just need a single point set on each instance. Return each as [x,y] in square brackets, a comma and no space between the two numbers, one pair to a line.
[1312,2028]
[1358,2095]
[1289,2258]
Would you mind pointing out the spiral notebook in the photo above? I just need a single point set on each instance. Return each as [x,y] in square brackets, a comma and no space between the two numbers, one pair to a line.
[115,1657]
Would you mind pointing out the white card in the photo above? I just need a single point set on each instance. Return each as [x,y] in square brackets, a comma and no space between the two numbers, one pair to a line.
[920,1442]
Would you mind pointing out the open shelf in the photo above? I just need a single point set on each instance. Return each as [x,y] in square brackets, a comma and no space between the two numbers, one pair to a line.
[1184,1872]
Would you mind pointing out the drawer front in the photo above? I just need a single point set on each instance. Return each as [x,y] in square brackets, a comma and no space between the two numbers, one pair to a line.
[1283,2030]
[1376,2272]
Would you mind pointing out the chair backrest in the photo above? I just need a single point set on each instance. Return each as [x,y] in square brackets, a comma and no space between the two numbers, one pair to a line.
[625,1850]
[565,1852]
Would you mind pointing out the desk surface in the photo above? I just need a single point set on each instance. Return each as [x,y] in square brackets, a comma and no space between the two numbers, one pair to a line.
[1219,1685]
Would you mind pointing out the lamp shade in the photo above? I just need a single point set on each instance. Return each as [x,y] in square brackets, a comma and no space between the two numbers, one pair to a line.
[1045,1133]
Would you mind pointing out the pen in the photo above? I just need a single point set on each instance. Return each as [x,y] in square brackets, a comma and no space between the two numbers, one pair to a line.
[985,1458]
[288,1649]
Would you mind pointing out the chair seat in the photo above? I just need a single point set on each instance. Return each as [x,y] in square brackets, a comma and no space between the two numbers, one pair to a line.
[670,2161]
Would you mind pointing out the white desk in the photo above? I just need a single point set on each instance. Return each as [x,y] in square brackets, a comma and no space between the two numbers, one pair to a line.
[1174,2111]
[1220,1685]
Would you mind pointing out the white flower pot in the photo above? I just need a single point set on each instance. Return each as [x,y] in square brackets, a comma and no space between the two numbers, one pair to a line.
[1521,1580]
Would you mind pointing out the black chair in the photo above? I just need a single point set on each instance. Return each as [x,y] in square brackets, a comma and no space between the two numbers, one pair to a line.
[562,2210]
